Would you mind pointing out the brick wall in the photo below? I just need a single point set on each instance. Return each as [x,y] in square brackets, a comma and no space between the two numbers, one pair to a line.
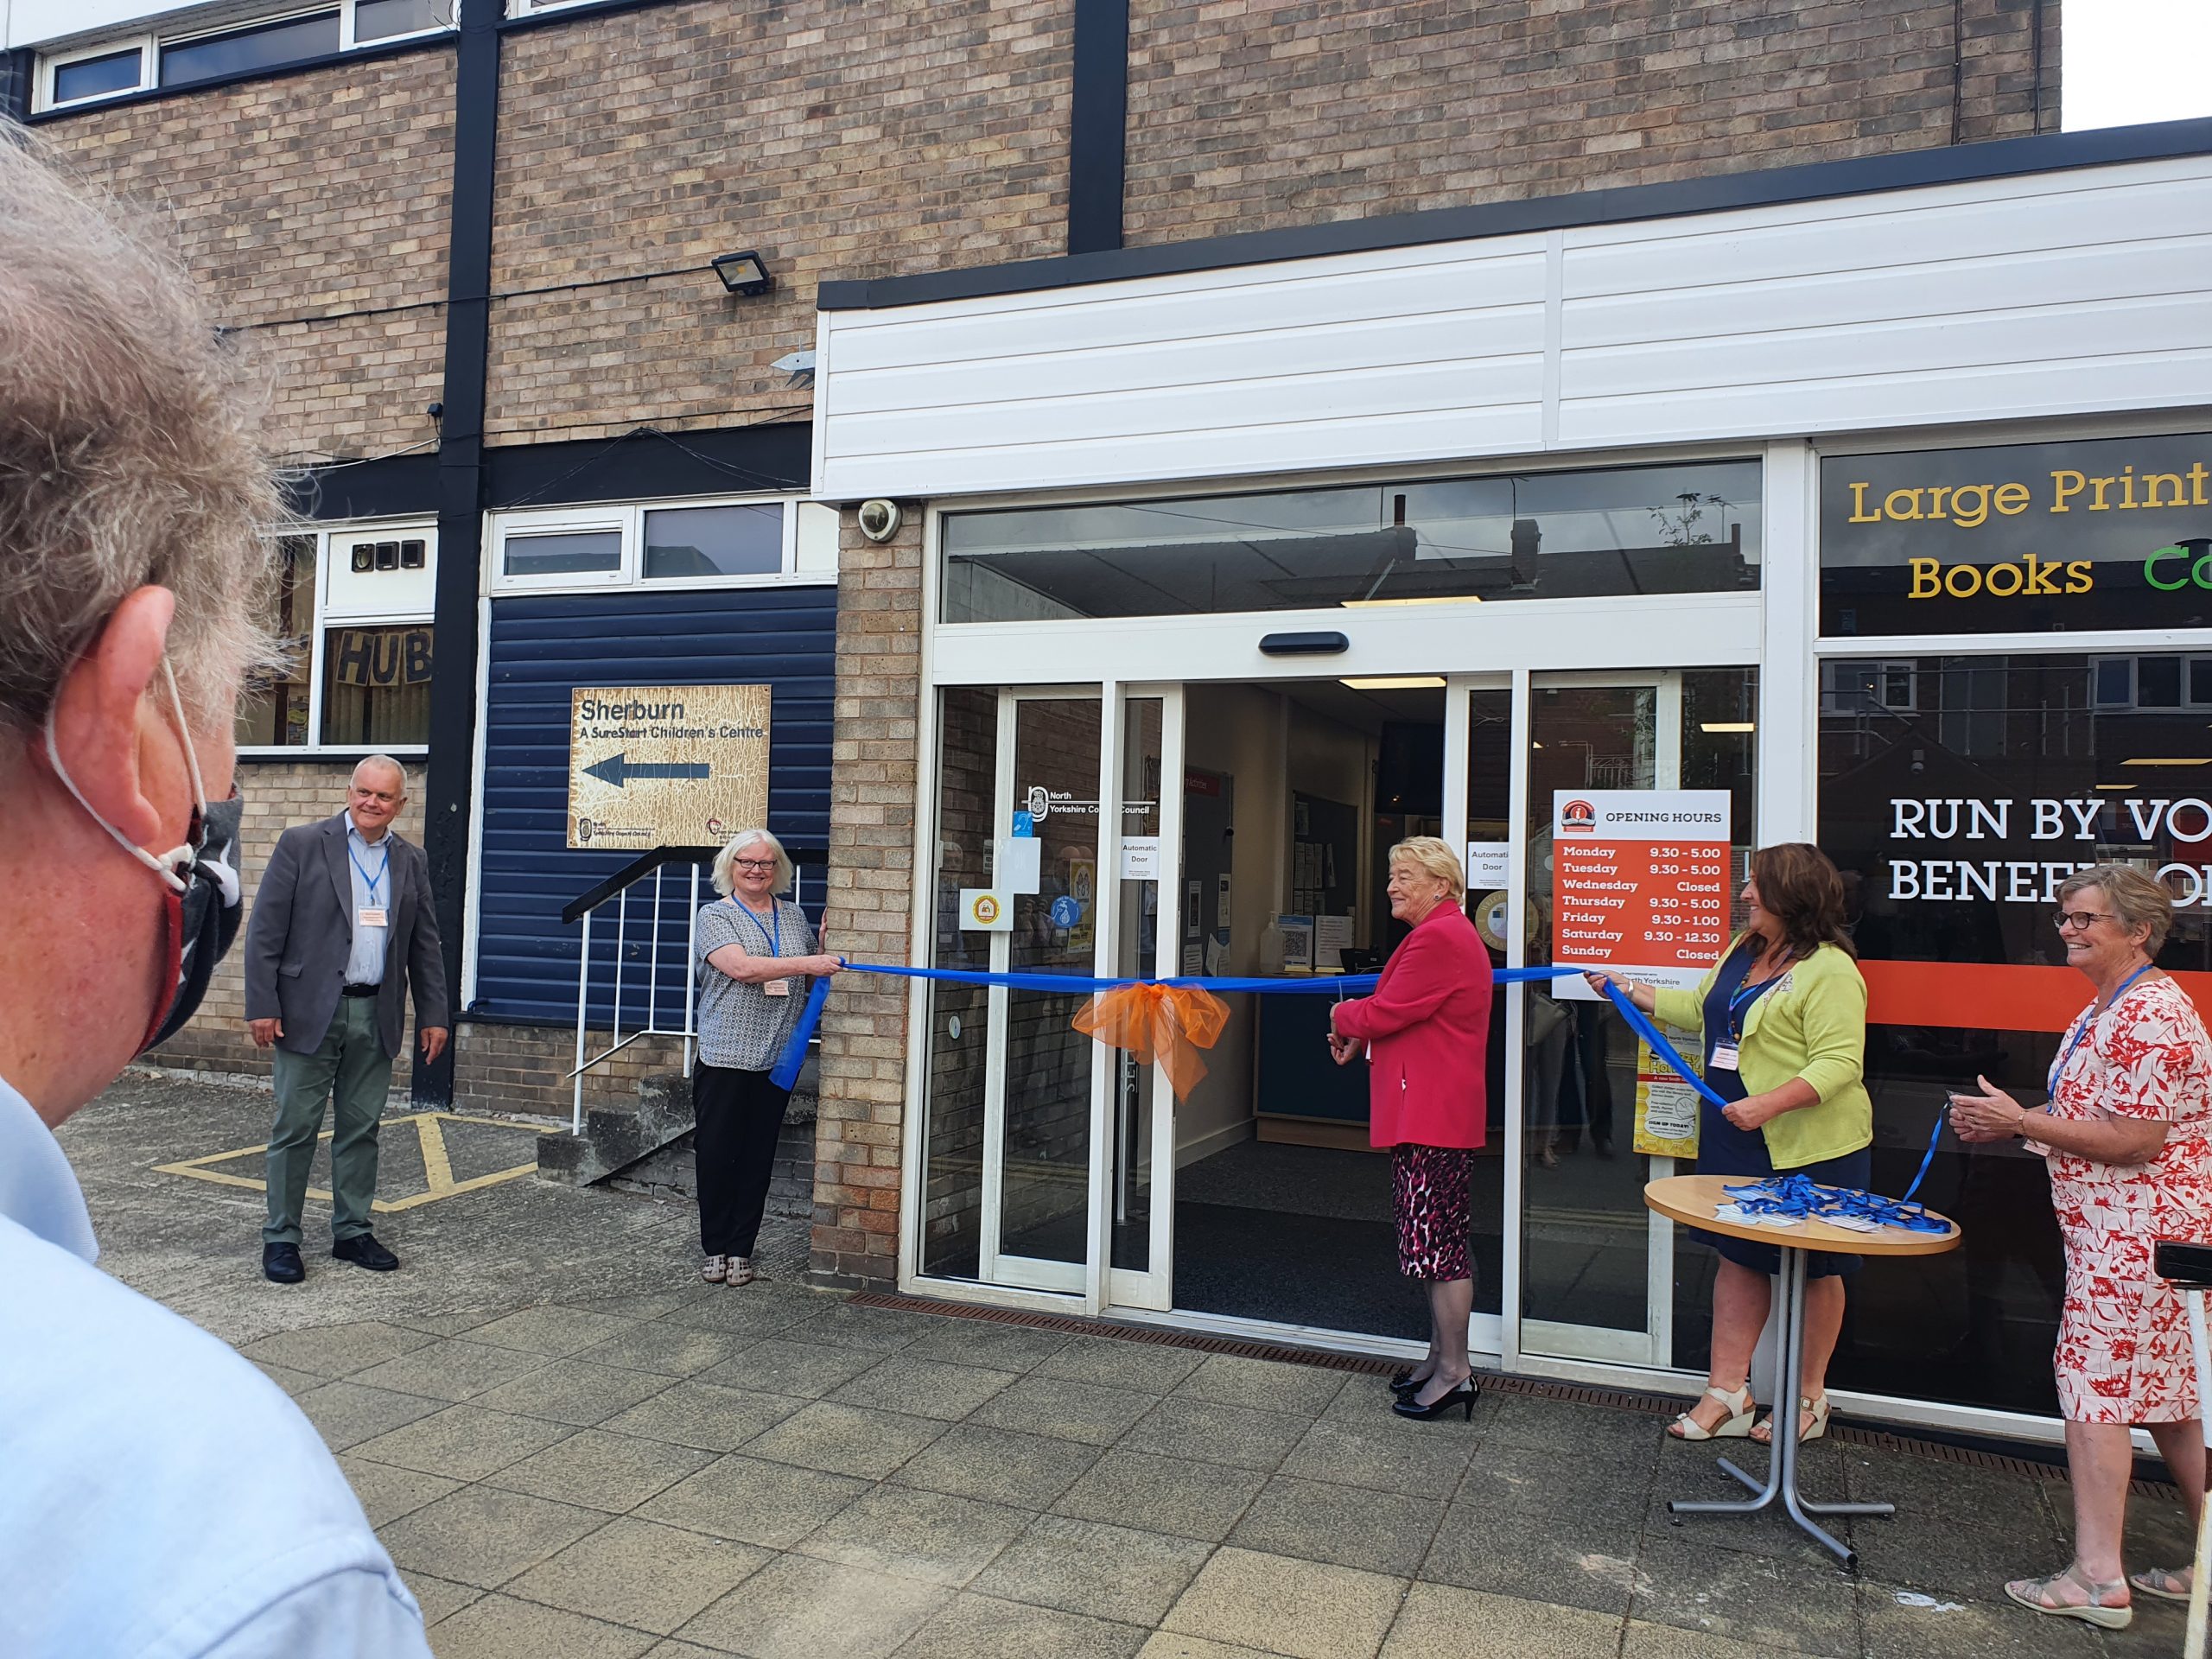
[1245,115]
[277,794]
[524,1069]
[838,139]
[312,209]
[871,882]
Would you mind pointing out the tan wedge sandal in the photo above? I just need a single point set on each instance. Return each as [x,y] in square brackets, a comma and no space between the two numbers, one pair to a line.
[1736,1425]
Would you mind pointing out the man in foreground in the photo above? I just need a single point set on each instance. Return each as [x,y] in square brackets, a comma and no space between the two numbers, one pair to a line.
[158,1496]
[342,918]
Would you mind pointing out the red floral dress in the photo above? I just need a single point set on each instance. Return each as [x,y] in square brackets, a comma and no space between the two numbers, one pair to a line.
[2123,1343]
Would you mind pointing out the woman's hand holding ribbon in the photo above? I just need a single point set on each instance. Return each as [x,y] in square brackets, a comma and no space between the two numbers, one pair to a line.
[1993,1115]
[1642,996]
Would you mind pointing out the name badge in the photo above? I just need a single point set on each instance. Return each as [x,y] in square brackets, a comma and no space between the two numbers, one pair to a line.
[777,987]
[370,916]
[1724,1058]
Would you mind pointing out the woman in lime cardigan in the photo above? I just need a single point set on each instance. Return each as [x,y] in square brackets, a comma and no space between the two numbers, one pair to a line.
[1783,1017]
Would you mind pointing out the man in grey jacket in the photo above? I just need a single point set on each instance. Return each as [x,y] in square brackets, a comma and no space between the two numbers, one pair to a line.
[342,920]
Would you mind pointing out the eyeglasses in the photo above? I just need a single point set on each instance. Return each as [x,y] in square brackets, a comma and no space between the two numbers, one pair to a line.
[756,864]
[2080,919]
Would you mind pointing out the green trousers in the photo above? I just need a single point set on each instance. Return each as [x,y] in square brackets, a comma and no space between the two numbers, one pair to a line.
[352,1066]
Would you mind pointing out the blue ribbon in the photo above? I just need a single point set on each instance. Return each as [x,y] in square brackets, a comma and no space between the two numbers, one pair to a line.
[1791,1195]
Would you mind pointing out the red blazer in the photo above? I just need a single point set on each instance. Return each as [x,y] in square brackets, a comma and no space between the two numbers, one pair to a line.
[1428,1034]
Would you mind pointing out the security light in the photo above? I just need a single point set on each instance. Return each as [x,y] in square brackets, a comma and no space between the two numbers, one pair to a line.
[743,274]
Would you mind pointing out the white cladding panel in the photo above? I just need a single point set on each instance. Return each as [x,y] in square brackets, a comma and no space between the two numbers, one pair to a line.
[2083,291]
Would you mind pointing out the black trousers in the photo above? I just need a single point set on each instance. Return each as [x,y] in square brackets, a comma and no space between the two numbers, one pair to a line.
[740,1114]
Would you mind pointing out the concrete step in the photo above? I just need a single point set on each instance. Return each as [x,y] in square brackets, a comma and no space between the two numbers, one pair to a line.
[617,1136]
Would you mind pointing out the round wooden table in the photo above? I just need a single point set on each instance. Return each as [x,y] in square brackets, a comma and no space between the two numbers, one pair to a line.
[1691,1200]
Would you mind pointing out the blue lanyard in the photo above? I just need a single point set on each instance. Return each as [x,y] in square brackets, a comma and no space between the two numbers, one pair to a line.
[2088,1023]
[1745,996]
[370,881]
[776,916]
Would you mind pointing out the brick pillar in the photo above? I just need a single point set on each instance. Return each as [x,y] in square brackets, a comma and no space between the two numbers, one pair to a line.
[871,895]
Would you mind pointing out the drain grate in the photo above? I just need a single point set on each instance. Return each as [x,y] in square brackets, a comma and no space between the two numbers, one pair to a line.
[1581,1394]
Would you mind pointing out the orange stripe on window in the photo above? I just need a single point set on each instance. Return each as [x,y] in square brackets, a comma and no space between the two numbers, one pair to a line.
[1989,997]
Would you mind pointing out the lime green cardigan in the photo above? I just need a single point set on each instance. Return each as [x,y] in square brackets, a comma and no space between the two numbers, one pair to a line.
[1812,1026]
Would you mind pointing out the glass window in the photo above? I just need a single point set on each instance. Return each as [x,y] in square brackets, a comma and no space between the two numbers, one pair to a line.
[1953,825]
[560,553]
[243,50]
[380,20]
[1637,530]
[114,71]
[274,710]
[740,541]
[377,685]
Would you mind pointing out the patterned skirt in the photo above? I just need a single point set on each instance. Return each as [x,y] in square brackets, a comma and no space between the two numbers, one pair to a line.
[1431,1184]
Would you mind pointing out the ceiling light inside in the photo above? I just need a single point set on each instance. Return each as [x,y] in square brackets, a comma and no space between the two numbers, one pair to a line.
[2172,760]
[2115,786]
[1397,682]
[1436,599]
[1729,726]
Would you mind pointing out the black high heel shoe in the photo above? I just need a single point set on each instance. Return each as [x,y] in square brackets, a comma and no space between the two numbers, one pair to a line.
[1409,1405]
[1405,1383]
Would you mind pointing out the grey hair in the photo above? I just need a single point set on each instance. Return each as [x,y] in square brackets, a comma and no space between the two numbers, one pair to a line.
[406,784]
[2137,898]
[738,843]
[129,449]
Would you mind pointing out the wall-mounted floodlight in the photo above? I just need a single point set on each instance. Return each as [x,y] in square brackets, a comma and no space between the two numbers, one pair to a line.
[743,274]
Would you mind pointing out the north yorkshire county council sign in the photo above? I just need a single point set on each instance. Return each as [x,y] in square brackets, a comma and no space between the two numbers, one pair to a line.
[666,765]
[2017,538]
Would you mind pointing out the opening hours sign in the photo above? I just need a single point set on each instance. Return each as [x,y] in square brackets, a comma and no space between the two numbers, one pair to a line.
[1640,882]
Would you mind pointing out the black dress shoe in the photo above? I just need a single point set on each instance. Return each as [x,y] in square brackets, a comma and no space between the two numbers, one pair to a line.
[363,1251]
[280,1264]
[1408,1405]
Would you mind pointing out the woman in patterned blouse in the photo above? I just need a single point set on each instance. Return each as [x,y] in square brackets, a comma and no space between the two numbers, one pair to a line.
[2125,1135]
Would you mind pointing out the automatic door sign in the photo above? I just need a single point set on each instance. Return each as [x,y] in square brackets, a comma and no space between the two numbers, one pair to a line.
[666,765]
[1640,882]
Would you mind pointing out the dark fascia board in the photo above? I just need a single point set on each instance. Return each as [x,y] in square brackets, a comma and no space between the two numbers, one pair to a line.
[1717,193]
[389,486]
[275,72]
[646,464]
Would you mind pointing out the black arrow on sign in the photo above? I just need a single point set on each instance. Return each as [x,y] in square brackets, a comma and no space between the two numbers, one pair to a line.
[620,769]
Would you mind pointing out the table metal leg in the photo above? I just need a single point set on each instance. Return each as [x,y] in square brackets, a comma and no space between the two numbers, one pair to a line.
[1781,1467]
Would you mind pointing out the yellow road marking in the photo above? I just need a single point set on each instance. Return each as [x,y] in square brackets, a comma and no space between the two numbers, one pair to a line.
[437,1165]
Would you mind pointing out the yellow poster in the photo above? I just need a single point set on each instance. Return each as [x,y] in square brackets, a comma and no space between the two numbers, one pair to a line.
[1666,1106]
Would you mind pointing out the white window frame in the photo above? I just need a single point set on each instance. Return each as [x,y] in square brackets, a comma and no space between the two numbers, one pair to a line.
[326,538]
[532,7]
[629,518]
[2134,703]
[1884,667]
[149,43]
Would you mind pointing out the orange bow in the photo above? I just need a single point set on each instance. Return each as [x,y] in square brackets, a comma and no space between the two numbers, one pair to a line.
[1171,1022]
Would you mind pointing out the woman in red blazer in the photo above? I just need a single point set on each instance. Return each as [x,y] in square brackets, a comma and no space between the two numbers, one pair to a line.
[1425,1032]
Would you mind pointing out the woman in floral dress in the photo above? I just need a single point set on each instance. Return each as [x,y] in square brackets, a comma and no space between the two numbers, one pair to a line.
[2126,1136]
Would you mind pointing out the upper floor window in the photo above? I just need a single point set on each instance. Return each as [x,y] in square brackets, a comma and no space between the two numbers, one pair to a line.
[180,54]
[691,543]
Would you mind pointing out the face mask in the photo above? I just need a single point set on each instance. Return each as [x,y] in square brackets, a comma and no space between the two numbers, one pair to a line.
[200,883]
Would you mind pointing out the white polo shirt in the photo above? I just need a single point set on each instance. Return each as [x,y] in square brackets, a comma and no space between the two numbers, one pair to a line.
[159,1497]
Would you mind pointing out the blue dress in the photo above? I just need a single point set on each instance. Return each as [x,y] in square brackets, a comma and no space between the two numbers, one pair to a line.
[1724,1149]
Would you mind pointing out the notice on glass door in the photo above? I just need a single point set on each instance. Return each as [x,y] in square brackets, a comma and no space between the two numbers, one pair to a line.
[1640,882]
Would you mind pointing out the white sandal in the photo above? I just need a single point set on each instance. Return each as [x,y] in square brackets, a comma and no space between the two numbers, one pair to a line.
[740,1272]
[1736,1425]
[1817,1409]
[715,1270]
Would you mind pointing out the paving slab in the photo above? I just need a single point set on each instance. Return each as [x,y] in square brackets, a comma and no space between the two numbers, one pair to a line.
[983,1627]
[1288,1606]
[640,1575]
[1441,1622]
[1028,1471]
[463,1441]
[1176,1427]
[922,1388]
[1070,1411]
[996,1347]
[704,1414]
[573,1391]
[483,1536]
[1104,1572]
[845,1439]
[773,1505]
[329,1350]
[346,1413]
[450,1369]
[800,1608]
[500,1627]
[664,1348]
[1149,1368]
[1767,1603]
[1264,1384]
[1575,1560]
[388,1492]
[439,1598]
[808,1370]
[602,1470]
[1345,1526]
[912,1534]
[1191,1500]
[1386,1452]
[554,1331]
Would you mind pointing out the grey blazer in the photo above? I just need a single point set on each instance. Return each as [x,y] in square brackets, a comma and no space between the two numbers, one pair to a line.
[302,932]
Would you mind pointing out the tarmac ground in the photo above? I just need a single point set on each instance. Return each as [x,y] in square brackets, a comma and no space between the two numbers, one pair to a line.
[576,1450]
